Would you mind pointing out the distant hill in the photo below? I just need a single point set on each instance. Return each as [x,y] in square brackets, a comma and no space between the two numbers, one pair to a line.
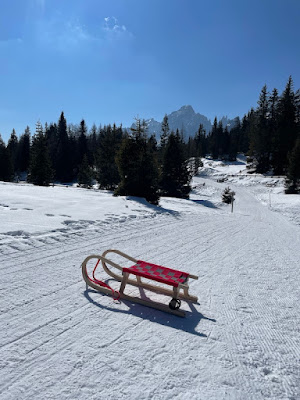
[187,121]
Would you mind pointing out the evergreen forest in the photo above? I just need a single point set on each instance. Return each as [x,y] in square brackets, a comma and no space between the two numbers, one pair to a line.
[132,162]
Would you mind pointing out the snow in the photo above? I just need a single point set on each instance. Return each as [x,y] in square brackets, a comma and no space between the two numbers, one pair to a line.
[61,341]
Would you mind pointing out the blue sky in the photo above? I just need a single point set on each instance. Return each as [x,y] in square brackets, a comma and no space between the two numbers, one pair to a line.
[111,60]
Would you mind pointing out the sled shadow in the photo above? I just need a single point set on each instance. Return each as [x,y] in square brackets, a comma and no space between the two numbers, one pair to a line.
[187,324]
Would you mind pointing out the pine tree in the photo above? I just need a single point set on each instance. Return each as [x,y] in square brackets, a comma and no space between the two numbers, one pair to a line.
[40,170]
[200,142]
[218,140]
[292,182]
[175,177]
[85,174]
[234,137]
[139,128]
[194,164]
[165,130]
[246,140]
[228,197]
[12,147]
[297,104]
[92,145]
[110,139]
[152,144]
[273,125]
[63,165]
[194,152]
[262,133]
[73,150]
[286,134]
[23,154]
[225,143]
[214,140]
[51,134]
[6,167]
[137,166]
[82,141]
[190,148]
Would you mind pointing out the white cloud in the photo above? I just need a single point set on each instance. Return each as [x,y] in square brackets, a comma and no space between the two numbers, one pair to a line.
[113,29]
[70,35]
[77,31]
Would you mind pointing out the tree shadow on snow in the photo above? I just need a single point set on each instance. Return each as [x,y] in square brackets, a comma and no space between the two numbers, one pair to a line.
[159,209]
[205,203]
[187,324]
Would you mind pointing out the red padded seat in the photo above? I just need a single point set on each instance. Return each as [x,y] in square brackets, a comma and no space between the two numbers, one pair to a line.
[157,273]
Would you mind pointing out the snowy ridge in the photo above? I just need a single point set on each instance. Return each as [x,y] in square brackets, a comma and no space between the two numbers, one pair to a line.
[61,341]
[187,121]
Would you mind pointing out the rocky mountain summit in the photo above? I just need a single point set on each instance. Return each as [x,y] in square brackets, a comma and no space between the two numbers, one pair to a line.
[187,121]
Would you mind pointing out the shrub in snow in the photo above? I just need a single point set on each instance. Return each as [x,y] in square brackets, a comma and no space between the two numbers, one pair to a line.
[228,196]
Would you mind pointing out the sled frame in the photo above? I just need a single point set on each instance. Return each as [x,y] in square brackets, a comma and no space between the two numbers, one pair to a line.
[181,292]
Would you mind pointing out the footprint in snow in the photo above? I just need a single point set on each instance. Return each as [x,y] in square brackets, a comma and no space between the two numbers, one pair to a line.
[18,234]
[266,371]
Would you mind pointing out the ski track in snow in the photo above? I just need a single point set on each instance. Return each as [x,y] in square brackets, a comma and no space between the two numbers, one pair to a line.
[61,341]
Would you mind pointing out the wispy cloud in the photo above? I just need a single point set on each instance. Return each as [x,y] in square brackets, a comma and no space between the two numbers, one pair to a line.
[63,35]
[114,29]
[71,34]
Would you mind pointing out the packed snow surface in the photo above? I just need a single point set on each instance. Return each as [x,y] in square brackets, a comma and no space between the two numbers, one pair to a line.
[61,341]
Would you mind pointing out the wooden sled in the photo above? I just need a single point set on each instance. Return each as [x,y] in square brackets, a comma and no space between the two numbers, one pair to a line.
[133,275]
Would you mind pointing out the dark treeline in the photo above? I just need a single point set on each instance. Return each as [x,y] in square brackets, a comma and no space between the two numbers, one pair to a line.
[129,163]
[133,163]
[269,135]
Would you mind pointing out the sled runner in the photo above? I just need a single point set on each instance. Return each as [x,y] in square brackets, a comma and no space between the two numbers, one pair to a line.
[133,275]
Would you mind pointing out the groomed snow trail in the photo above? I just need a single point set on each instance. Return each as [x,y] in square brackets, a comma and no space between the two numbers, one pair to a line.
[59,341]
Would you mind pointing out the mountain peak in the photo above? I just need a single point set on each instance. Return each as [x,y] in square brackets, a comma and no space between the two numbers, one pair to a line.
[187,108]
[186,120]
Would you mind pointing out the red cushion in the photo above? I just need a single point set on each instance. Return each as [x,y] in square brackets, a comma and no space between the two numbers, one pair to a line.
[157,273]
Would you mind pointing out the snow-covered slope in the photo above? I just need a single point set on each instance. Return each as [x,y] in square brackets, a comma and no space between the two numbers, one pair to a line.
[61,341]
